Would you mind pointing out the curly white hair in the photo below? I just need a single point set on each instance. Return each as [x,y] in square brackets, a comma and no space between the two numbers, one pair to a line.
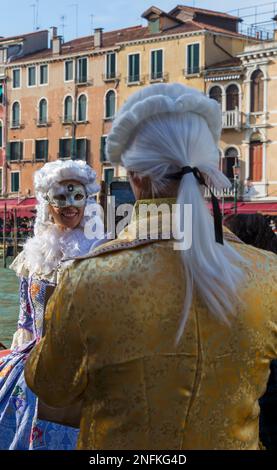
[56,172]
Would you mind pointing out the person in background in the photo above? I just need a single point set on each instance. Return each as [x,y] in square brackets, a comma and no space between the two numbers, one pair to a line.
[256,230]
[64,189]
[253,229]
[167,346]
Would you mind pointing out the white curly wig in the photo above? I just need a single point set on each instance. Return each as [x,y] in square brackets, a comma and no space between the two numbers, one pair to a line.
[160,130]
[50,244]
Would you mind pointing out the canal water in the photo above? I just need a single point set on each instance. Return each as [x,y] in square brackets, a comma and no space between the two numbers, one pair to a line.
[9,303]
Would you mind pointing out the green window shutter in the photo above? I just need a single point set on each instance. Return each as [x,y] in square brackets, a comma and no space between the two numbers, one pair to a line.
[8,152]
[102,149]
[15,182]
[193,58]
[45,150]
[134,72]
[156,64]
[20,151]
[73,149]
[61,148]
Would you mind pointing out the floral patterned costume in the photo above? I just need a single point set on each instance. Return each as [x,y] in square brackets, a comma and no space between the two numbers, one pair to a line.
[20,428]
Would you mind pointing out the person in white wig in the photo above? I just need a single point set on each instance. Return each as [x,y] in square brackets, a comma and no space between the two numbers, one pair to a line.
[175,353]
[64,190]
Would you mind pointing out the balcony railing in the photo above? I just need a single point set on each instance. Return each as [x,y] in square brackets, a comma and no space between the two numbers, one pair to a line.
[159,77]
[226,192]
[135,80]
[16,124]
[67,119]
[110,77]
[231,119]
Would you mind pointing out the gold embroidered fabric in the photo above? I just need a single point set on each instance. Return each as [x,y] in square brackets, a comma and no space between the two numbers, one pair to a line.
[111,325]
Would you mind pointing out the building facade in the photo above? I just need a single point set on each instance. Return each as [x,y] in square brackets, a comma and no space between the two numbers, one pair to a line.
[61,100]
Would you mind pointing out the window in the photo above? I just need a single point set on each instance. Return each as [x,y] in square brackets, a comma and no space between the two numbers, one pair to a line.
[110,105]
[256,161]
[42,150]
[1,134]
[43,77]
[108,175]
[1,94]
[82,108]
[110,66]
[193,59]
[42,119]
[15,114]
[216,94]
[15,182]
[103,157]
[82,70]
[133,68]
[257,92]
[16,78]
[156,64]
[81,149]
[31,76]
[232,98]
[154,25]
[68,70]
[231,158]
[15,151]
[68,108]
[65,148]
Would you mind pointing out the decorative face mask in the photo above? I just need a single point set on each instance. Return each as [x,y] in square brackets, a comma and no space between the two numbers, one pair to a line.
[65,195]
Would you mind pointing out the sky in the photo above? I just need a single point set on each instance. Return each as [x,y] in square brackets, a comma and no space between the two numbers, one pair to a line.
[19,16]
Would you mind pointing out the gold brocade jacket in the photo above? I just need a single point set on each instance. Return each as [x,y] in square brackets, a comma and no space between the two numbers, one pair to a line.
[111,325]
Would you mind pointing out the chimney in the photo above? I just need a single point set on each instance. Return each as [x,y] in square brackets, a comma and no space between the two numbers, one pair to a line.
[53,32]
[98,35]
[57,45]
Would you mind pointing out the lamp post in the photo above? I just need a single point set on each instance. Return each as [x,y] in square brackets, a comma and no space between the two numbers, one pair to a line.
[236,172]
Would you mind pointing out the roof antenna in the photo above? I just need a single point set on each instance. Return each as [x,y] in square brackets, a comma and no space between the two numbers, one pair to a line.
[91,23]
[62,25]
[35,7]
[76,6]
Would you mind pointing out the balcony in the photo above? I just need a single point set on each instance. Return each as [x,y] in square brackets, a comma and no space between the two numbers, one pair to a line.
[16,124]
[133,80]
[42,123]
[158,77]
[66,120]
[220,193]
[231,119]
[83,80]
[111,77]
[192,72]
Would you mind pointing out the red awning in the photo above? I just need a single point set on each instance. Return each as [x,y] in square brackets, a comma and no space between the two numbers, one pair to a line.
[24,207]
[266,208]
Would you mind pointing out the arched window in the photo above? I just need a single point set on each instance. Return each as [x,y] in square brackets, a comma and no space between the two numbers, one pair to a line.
[232,98]
[82,108]
[68,107]
[231,158]
[16,114]
[216,94]
[257,91]
[110,104]
[43,111]
[256,159]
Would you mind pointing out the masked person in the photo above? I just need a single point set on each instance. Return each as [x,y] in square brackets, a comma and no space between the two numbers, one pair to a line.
[64,189]
[167,338]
